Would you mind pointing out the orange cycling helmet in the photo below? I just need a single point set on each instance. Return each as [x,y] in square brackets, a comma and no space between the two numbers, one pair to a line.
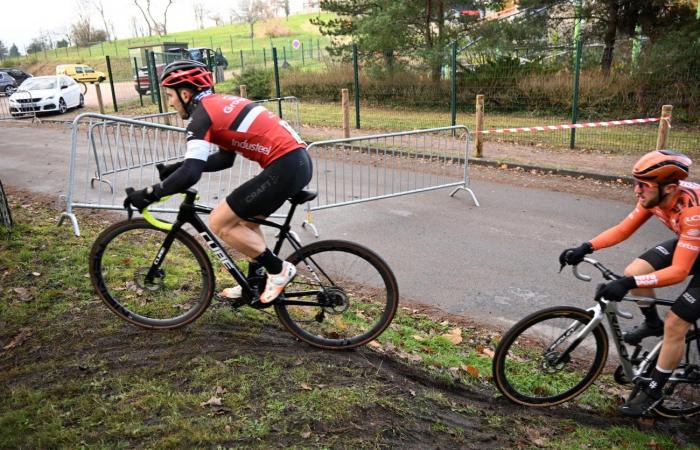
[662,166]
[186,73]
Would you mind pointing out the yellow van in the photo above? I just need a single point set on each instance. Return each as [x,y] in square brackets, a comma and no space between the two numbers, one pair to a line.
[81,73]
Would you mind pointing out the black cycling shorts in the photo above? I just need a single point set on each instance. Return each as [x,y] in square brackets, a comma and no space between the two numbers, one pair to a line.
[687,306]
[266,192]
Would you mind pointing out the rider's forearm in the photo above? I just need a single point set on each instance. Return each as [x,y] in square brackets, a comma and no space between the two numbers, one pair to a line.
[183,178]
[219,161]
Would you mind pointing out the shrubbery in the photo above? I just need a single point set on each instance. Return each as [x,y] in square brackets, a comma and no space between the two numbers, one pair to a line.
[258,83]
[511,87]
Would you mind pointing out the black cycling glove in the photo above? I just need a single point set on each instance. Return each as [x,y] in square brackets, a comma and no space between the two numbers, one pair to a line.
[164,170]
[141,199]
[616,289]
[575,255]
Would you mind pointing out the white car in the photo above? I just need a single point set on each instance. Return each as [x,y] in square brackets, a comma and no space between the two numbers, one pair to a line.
[45,94]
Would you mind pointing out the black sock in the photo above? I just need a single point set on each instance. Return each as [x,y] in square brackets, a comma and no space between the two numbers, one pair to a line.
[659,377]
[270,261]
[253,268]
[651,316]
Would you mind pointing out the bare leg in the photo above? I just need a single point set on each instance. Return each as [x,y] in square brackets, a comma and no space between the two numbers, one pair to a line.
[235,232]
[674,341]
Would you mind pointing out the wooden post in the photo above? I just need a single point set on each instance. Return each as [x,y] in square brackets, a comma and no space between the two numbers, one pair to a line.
[244,91]
[345,96]
[664,125]
[99,98]
[164,99]
[478,143]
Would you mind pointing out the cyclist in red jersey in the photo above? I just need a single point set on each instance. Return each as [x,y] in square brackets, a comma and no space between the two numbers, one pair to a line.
[661,193]
[236,126]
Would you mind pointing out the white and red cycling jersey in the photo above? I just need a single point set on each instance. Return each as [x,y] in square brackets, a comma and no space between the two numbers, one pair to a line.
[682,217]
[240,125]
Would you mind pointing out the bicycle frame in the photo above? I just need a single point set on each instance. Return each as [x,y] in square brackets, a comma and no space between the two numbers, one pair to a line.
[188,214]
[609,311]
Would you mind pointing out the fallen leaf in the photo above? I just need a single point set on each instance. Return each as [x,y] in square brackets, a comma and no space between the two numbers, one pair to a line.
[36,274]
[306,387]
[220,390]
[471,370]
[23,293]
[454,335]
[227,428]
[213,401]
[22,336]
[485,351]
[418,338]
[444,323]
[306,434]
[413,393]
[375,344]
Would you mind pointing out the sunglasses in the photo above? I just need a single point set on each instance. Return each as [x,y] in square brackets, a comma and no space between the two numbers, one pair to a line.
[643,185]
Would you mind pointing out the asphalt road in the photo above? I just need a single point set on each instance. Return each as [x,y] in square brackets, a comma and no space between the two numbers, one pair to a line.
[494,263]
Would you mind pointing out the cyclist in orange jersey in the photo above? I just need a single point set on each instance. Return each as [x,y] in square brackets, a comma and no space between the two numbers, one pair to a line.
[661,192]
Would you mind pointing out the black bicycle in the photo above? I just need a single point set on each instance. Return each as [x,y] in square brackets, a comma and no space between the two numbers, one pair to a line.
[553,355]
[157,275]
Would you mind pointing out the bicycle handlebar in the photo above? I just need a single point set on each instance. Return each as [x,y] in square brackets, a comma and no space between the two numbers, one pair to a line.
[190,195]
[607,273]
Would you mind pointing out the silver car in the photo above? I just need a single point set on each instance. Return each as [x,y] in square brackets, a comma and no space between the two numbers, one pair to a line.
[8,85]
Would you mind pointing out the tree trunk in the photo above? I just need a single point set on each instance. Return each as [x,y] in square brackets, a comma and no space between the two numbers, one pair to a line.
[609,36]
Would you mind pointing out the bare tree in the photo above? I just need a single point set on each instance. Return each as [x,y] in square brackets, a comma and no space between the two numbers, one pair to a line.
[199,12]
[252,11]
[136,27]
[216,17]
[154,26]
[109,27]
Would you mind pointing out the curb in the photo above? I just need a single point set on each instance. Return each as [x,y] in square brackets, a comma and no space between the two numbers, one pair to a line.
[556,171]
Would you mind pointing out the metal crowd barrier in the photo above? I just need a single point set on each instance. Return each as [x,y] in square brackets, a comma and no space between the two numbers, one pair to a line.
[24,110]
[109,154]
[366,168]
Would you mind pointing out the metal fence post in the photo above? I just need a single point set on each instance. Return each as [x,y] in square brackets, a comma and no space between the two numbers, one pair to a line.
[453,84]
[574,107]
[277,80]
[264,58]
[302,54]
[154,81]
[577,70]
[111,84]
[356,85]
[138,84]
[664,126]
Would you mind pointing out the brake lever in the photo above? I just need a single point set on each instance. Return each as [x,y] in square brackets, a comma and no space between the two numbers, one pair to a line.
[127,202]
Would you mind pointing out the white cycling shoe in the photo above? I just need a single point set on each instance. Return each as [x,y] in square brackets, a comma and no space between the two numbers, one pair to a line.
[275,283]
[232,293]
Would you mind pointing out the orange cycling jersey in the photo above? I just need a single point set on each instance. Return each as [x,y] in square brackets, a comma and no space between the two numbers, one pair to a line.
[683,218]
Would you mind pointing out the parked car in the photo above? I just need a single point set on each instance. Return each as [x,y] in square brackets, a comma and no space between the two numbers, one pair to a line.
[17,74]
[202,54]
[8,84]
[55,93]
[141,81]
[81,73]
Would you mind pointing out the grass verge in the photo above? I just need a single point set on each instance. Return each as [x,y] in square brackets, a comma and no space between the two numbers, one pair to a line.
[73,375]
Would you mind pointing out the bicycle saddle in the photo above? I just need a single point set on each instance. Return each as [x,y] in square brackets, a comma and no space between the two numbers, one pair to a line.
[302,197]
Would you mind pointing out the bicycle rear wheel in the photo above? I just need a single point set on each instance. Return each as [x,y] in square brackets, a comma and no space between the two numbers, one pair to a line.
[175,295]
[525,367]
[682,398]
[356,286]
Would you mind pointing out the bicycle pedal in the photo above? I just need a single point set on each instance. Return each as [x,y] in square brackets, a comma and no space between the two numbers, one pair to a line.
[234,303]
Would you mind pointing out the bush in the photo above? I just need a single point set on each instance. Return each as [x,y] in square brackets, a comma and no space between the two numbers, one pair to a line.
[258,83]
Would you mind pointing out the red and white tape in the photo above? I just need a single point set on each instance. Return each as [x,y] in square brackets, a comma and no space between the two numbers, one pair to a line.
[609,123]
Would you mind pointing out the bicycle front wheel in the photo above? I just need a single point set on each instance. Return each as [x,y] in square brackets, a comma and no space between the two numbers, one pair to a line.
[682,397]
[351,295]
[173,295]
[531,365]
